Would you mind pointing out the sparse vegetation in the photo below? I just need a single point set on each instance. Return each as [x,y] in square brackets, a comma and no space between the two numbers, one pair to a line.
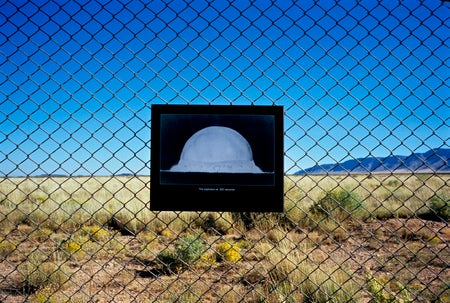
[95,233]
[295,277]
[229,252]
[186,252]
[90,239]
[339,205]
[386,290]
[6,248]
[189,249]
[169,261]
[441,207]
[71,248]
[39,271]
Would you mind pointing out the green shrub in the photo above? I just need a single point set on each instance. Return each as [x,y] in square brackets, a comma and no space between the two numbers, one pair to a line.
[376,287]
[385,290]
[189,249]
[338,204]
[441,207]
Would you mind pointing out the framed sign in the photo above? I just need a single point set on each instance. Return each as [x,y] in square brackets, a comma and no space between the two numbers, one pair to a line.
[216,158]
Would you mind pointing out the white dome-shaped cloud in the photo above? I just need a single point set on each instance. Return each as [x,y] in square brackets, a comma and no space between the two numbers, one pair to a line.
[217,149]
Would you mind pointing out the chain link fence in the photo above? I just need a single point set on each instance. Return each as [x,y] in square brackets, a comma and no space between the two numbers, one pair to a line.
[364,86]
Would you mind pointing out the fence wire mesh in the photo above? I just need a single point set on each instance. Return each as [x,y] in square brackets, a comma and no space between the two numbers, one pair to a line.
[364,87]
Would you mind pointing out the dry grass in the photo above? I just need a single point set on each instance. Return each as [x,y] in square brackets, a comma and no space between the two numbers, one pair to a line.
[382,196]
[69,203]
[299,273]
[94,239]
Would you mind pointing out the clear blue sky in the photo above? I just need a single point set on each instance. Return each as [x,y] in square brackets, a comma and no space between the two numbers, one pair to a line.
[356,78]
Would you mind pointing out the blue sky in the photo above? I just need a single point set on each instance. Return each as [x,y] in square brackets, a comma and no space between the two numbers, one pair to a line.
[356,78]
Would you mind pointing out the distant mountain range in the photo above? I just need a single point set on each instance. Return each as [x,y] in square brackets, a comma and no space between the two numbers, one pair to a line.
[435,160]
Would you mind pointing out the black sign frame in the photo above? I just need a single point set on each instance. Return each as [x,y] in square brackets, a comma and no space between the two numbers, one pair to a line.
[235,186]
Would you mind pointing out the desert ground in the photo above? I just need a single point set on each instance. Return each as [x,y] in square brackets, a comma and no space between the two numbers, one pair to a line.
[341,238]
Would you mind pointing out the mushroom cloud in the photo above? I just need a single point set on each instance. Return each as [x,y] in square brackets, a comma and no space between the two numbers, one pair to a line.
[216,149]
